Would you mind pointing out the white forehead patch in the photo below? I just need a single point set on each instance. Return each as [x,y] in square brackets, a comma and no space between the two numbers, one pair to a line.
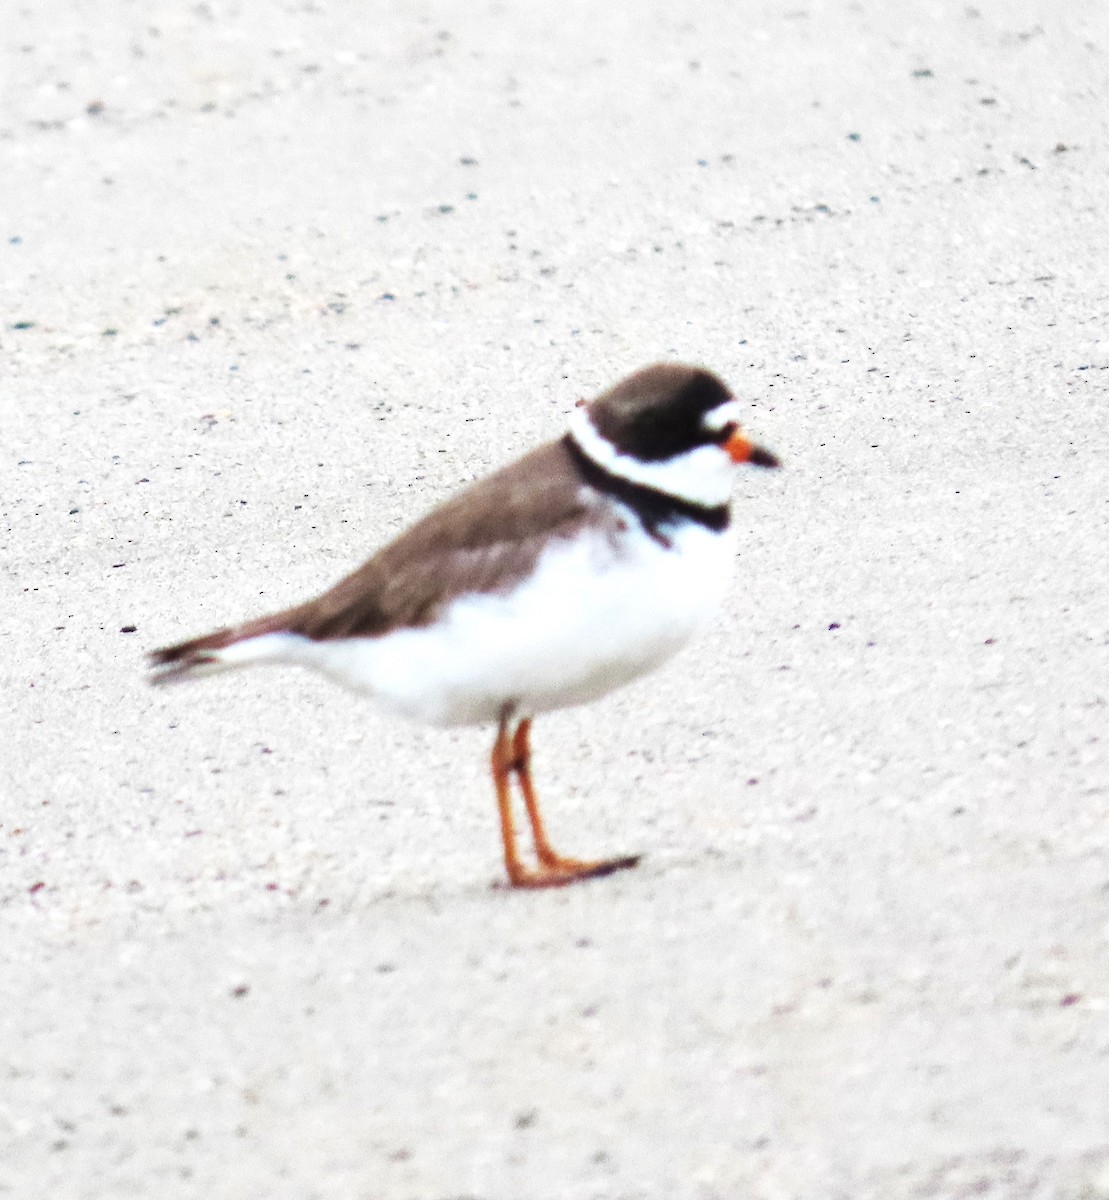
[721,416]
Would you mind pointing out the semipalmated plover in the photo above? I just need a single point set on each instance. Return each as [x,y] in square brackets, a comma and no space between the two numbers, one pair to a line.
[552,581]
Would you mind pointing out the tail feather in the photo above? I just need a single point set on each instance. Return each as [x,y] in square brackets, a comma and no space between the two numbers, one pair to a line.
[203,655]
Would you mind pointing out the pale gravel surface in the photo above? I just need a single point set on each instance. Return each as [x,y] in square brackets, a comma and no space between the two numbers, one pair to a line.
[249,947]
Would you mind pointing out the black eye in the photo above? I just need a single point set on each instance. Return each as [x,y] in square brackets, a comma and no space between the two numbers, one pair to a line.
[720,436]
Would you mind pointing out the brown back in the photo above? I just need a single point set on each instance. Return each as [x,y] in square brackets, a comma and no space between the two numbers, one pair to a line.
[484,539]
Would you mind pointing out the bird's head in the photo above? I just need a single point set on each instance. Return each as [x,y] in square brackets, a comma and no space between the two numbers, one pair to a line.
[672,427]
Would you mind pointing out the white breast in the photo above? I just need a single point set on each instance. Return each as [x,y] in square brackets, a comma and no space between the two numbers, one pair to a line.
[592,616]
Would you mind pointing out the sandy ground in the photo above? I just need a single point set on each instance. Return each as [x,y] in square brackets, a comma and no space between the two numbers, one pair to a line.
[276,277]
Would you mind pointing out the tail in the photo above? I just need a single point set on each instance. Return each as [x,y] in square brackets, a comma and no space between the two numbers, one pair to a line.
[231,647]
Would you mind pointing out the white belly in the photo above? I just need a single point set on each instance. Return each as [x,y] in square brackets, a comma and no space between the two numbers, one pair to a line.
[588,620]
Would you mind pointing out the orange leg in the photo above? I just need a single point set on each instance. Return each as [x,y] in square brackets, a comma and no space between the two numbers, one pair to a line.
[513,756]
[500,763]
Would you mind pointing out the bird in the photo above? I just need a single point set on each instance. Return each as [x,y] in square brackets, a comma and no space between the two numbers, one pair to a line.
[554,580]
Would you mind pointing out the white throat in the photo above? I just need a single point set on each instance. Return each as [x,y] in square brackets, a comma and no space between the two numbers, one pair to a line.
[701,476]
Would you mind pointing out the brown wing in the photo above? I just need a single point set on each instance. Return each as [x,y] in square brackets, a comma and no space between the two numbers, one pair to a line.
[481,540]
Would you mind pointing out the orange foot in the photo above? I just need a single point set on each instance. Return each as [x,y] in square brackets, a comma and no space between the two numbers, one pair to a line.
[567,870]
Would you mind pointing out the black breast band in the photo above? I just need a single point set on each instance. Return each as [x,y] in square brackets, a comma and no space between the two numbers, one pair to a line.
[655,510]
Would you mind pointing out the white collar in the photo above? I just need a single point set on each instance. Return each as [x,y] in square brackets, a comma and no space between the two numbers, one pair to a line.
[702,475]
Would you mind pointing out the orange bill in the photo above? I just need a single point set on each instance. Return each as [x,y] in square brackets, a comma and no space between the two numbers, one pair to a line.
[740,450]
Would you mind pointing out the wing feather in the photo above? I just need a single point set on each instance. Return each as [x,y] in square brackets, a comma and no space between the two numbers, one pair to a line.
[481,540]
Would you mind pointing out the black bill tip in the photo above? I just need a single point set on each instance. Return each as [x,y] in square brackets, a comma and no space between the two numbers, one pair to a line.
[763,458]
